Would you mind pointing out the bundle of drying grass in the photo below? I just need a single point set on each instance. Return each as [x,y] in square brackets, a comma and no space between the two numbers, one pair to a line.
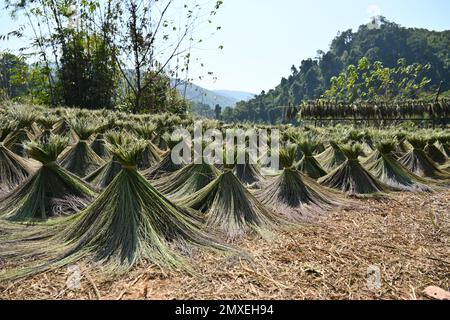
[103,176]
[403,146]
[99,146]
[383,166]
[47,121]
[248,172]
[79,158]
[351,177]
[444,144]
[13,168]
[332,157]
[295,195]
[417,161]
[51,191]
[16,142]
[151,155]
[166,166]
[434,153]
[62,127]
[309,165]
[230,207]
[129,223]
[188,180]
[24,116]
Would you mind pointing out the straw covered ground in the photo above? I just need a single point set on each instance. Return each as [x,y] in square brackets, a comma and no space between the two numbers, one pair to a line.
[406,236]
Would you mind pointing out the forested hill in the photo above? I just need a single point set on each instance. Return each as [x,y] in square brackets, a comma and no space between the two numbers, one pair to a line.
[382,41]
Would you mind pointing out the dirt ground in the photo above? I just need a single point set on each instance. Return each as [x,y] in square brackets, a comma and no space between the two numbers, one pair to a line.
[389,248]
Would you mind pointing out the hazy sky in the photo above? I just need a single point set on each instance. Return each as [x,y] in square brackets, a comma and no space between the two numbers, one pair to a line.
[263,38]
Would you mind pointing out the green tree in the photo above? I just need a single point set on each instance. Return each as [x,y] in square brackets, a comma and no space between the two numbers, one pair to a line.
[13,75]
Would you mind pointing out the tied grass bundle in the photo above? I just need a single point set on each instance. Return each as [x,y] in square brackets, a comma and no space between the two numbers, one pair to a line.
[51,191]
[188,180]
[309,165]
[103,176]
[351,177]
[99,147]
[248,173]
[332,157]
[417,161]
[434,153]
[79,158]
[295,195]
[151,155]
[444,144]
[62,127]
[13,169]
[47,121]
[229,207]
[129,223]
[166,166]
[383,166]
[16,142]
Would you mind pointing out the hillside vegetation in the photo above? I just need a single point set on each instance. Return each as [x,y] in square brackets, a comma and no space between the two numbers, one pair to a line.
[384,41]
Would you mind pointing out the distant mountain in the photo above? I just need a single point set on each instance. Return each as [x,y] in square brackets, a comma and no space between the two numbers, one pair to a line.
[224,98]
[237,95]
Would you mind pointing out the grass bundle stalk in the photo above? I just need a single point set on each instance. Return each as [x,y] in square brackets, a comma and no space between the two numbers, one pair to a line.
[434,153]
[229,207]
[51,191]
[383,165]
[151,155]
[332,157]
[166,166]
[61,128]
[16,142]
[309,165]
[103,176]
[128,224]
[99,147]
[248,173]
[444,144]
[418,162]
[79,158]
[188,180]
[294,195]
[13,169]
[351,177]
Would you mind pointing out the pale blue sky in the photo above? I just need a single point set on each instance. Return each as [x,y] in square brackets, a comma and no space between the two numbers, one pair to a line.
[263,38]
